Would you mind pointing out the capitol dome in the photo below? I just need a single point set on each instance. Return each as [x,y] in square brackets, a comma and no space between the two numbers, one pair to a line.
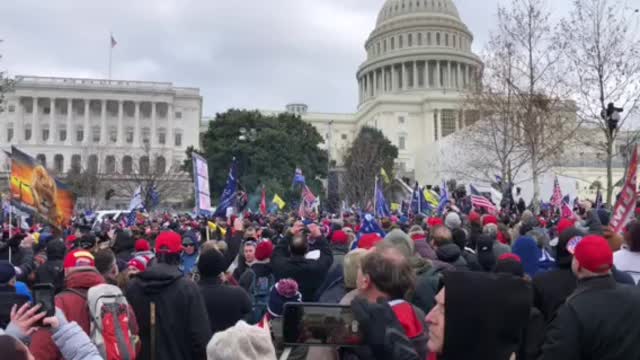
[418,47]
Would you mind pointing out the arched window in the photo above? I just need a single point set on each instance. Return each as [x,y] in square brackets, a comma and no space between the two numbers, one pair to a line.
[92,164]
[144,165]
[42,159]
[110,164]
[76,163]
[146,135]
[127,165]
[161,165]
[58,163]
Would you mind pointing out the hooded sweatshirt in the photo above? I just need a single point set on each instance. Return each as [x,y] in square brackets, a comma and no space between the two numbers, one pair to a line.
[529,252]
[182,331]
[485,315]
[52,272]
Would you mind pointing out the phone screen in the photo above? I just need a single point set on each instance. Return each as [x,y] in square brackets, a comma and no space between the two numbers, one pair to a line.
[44,294]
[314,324]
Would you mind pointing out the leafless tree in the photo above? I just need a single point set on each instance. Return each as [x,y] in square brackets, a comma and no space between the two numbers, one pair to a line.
[6,85]
[604,51]
[540,95]
[148,174]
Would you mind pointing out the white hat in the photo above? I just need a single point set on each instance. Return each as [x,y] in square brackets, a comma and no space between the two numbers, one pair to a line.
[241,342]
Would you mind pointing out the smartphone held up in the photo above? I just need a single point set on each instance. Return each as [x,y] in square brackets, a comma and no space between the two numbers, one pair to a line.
[320,325]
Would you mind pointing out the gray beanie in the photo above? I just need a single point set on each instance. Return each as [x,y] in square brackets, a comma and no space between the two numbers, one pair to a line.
[452,221]
[241,342]
[401,241]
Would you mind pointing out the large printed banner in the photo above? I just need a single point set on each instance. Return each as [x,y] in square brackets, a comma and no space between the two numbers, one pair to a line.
[201,179]
[35,191]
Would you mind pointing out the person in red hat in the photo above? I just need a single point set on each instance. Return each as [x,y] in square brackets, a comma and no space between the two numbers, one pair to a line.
[600,318]
[80,275]
[178,304]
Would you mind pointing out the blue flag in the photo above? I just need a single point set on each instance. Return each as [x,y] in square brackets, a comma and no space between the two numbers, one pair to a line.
[298,178]
[444,197]
[154,196]
[419,203]
[228,198]
[382,208]
[131,218]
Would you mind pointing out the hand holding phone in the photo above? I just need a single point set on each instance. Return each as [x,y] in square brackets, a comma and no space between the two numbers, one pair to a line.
[44,295]
[320,325]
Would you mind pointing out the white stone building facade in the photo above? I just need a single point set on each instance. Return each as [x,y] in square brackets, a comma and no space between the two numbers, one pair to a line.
[411,86]
[111,127]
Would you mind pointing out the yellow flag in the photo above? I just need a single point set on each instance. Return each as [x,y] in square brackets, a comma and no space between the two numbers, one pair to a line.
[395,207]
[278,201]
[384,175]
[214,227]
[431,198]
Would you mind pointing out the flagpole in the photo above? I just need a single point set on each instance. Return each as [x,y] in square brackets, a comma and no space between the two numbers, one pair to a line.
[375,195]
[110,53]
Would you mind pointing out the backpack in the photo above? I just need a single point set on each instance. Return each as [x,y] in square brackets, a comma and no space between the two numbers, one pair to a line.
[259,290]
[110,328]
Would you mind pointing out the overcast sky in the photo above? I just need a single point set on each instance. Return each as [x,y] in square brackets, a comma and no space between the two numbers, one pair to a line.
[244,54]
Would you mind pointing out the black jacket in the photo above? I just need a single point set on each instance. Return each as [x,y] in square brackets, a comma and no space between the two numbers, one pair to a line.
[182,332]
[451,254]
[309,274]
[225,304]
[52,271]
[8,298]
[599,321]
[21,258]
[551,289]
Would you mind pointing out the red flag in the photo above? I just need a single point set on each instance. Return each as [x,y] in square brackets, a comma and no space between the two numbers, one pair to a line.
[626,203]
[263,202]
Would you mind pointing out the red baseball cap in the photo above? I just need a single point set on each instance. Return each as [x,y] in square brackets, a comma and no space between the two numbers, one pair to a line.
[489,219]
[367,241]
[142,245]
[594,254]
[169,242]
[79,258]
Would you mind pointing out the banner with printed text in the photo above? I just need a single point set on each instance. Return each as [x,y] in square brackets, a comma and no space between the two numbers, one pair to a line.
[201,186]
[35,191]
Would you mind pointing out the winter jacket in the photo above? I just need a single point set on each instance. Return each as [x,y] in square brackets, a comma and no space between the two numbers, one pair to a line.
[8,298]
[225,304]
[529,252]
[74,343]
[500,249]
[551,289]
[486,315]
[533,336]
[188,263]
[599,321]
[21,258]
[52,271]
[628,262]
[181,329]
[428,277]
[73,303]
[310,274]
[334,292]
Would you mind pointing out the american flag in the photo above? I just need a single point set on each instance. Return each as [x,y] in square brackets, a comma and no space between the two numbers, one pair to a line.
[308,202]
[479,201]
[556,199]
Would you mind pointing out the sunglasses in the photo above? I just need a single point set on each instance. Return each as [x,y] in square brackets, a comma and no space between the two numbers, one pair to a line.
[189,244]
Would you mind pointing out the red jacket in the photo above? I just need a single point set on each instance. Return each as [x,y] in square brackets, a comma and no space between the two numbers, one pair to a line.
[75,309]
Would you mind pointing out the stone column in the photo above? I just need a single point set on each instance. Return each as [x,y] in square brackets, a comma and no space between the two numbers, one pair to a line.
[374,74]
[120,141]
[436,125]
[468,76]
[52,121]
[69,140]
[103,123]
[449,75]
[404,76]
[426,74]
[170,140]
[394,80]
[438,79]
[415,74]
[136,125]
[87,124]
[154,125]
[18,128]
[34,122]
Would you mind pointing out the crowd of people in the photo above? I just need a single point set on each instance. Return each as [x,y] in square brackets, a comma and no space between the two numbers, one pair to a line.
[454,286]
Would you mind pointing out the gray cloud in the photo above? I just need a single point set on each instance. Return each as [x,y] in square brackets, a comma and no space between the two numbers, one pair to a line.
[245,54]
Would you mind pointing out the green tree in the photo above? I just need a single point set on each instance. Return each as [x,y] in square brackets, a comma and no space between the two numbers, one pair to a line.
[370,152]
[268,150]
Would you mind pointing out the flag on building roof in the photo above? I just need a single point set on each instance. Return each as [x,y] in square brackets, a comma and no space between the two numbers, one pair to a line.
[382,207]
[228,198]
[556,198]
[480,201]
[113,42]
